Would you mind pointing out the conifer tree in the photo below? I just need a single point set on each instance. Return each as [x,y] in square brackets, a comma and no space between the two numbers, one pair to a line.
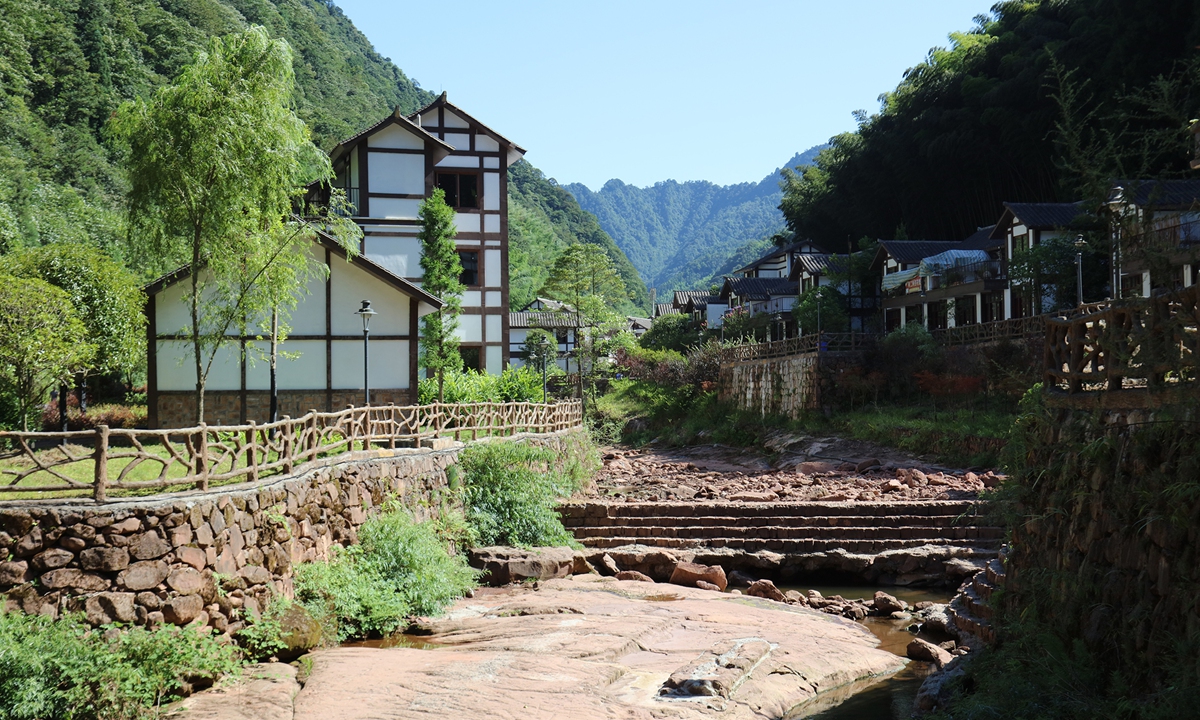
[441,271]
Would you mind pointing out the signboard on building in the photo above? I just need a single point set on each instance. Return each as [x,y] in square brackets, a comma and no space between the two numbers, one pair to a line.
[912,286]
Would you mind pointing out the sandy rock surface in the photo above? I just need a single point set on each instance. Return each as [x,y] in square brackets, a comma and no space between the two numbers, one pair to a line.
[593,647]
[263,692]
[800,469]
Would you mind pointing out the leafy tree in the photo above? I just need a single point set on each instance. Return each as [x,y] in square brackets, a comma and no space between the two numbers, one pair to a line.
[821,309]
[214,161]
[672,332]
[42,340]
[541,348]
[584,277]
[441,270]
[105,296]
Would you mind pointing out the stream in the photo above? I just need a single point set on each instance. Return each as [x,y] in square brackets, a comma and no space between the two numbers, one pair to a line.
[888,699]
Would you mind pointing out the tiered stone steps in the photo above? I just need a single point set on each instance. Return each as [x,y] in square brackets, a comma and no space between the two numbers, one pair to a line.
[789,528]
[970,610]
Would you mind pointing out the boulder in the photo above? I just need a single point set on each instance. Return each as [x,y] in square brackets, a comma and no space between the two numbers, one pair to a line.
[580,564]
[766,589]
[144,575]
[887,604]
[919,649]
[13,572]
[148,600]
[183,609]
[255,575]
[104,559]
[707,586]
[193,556]
[504,565]
[866,464]
[633,575]
[794,597]
[739,579]
[73,544]
[604,564]
[73,578]
[299,632]
[687,573]
[109,607]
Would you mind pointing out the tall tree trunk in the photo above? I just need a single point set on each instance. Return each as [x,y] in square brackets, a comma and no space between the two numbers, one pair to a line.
[196,326]
[274,363]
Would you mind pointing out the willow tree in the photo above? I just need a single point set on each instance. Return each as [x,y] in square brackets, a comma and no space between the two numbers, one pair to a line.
[441,272]
[216,161]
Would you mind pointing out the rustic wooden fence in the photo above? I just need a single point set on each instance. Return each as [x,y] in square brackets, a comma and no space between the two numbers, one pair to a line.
[994,331]
[137,461]
[1148,342]
[825,342]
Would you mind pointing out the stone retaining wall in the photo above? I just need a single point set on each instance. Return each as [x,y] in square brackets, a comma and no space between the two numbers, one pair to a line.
[160,559]
[776,386]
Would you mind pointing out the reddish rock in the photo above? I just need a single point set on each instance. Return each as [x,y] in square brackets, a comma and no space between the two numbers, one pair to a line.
[181,535]
[255,575]
[707,586]
[192,556]
[794,597]
[504,565]
[887,604]
[148,600]
[183,609]
[106,559]
[865,464]
[919,649]
[749,496]
[13,572]
[633,575]
[185,581]
[73,578]
[144,575]
[766,589]
[109,607]
[74,544]
[687,573]
[126,526]
[53,558]
[148,546]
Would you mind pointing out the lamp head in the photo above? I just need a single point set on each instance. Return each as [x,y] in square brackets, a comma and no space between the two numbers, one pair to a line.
[366,313]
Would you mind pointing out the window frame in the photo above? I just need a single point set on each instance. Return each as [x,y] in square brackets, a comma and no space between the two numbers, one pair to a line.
[458,175]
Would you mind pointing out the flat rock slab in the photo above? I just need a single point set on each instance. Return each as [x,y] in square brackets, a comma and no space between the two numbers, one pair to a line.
[589,647]
[263,692]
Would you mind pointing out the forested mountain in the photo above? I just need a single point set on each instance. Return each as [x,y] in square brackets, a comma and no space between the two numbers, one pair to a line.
[678,234]
[1043,100]
[65,65]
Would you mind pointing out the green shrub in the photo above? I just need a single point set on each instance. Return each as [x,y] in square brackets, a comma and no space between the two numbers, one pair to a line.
[399,568]
[66,669]
[523,384]
[511,490]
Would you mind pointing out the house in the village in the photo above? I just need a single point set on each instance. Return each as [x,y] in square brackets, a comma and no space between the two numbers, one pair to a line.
[1024,226]
[861,294]
[770,296]
[1155,235]
[387,171]
[559,319]
[777,262]
[904,296]
[706,310]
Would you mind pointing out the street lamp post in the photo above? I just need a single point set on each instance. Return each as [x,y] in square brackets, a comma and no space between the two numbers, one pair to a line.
[366,313]
[1079,246]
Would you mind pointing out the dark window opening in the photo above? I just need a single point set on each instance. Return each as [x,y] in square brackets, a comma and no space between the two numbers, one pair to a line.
[462,189]
[470,267]
[470,355]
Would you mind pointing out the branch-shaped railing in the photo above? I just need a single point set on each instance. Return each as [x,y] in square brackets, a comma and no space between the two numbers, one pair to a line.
[95,462]
[1149,343]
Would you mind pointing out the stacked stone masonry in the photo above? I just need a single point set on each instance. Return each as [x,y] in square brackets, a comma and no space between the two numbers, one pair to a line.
[777,386]
[161,559]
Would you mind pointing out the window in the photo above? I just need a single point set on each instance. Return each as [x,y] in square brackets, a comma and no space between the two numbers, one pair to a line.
[470,267]
[462,189]
[470,355]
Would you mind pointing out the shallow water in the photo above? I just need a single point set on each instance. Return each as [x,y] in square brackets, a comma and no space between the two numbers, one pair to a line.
[891,698]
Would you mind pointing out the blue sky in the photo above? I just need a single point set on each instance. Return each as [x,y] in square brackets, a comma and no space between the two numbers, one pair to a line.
[661,89]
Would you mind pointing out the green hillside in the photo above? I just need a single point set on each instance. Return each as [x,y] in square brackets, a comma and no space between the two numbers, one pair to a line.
[978,123]
[65,65]
[679,234]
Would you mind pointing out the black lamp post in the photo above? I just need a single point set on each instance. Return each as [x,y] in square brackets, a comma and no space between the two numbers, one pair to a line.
[366,313]
[1079,246]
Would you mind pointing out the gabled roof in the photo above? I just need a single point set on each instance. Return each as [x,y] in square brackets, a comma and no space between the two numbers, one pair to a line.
[821,264]
[773,253]
[701,303]
[360,261]
[443,102]
[543,320]
[757,288]
[550,305]
[1037,216]
[639,322]
[911,252]
[981,239]
[682,297]
[665,309]
[1161,193]
[396,118]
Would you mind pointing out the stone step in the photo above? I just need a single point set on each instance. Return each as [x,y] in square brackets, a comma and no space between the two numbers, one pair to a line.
[829,521]
[995,572]
[798,533]
[771,509]
[788,545]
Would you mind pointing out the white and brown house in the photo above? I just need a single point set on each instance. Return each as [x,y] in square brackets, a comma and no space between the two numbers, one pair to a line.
[387,171]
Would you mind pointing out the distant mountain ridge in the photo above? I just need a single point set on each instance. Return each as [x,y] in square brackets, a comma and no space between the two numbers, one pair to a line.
[678,235]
